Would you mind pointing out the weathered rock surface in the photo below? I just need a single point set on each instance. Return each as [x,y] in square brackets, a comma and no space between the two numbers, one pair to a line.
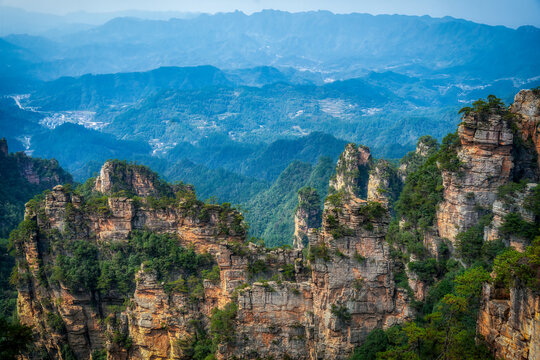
[307,216]
[486,157]
[512,204]
[383,184]
[527,107]
[352,171]
[510,323]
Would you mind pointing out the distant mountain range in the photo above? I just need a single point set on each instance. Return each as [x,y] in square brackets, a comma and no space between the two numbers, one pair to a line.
[340,46]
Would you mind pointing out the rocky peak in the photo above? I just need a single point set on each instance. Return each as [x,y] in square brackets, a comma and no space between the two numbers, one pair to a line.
[527,104]
[426,146]
[351,175]
[307,216]
[383,184]
[119,176]
[484,153]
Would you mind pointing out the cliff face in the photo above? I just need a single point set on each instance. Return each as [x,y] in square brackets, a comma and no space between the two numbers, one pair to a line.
[384,184]
[354,289]
[153,319]
[314,308]
[307,216]
[44,173]
[510,323]
[527,107]
[485,153]
[352,171]
[510,320]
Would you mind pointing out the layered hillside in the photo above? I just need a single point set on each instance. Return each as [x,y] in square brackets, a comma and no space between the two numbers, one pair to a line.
[130,267]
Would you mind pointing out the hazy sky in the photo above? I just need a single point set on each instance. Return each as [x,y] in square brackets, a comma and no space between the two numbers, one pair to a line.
[494,12]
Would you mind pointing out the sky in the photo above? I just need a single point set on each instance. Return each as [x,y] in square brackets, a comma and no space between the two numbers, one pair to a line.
[512,13]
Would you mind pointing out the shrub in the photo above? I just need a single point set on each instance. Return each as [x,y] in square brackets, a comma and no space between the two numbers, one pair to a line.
[426,269]
[447,155]
[372,210]
[336,229]
[55,321]
[359,258]
[319,251]
[222,324]
[336,199]
[288,272]
[256,267]
[422,192]
[376,341]
[515,225]
[213,275]
[122,340]
[483,107]
[341,312]
[504,192]
[99,354]
[513,268]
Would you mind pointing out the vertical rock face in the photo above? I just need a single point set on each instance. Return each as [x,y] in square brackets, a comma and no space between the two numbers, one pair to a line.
[307,216]
[384,184]
[490,156]
[509,320]
[512,203]
[486,164]
[22,177]
[354,290]
[527,107]
[352,171]
[510,323]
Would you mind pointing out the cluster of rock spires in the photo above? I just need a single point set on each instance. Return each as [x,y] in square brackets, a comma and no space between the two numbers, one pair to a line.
[318,304]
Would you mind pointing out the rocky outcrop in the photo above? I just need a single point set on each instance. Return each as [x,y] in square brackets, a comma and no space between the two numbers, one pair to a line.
[352,171]
[509,319]
[384,184]
[352,271]
[307,216]
[117,176]
[512,203]
[510,323]
[526,107]
[485,154]
[425,147]
[319,307]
